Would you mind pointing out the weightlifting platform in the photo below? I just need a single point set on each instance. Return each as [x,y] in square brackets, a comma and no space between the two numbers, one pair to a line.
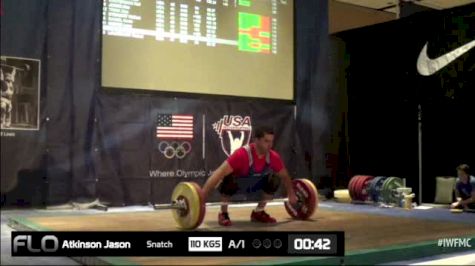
[373,235]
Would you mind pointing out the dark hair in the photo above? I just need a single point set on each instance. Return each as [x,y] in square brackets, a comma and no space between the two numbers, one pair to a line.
[262,130]
[464,167]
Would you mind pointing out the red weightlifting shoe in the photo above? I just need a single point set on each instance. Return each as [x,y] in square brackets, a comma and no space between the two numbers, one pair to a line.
[262,217]
[223,219]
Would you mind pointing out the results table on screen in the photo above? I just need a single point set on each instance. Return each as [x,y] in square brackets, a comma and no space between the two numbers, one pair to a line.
[250,26]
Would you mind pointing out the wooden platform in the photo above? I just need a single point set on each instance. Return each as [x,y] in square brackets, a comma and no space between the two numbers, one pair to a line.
[364,234]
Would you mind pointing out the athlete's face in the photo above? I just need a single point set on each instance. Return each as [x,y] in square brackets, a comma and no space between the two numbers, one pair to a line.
[265,143]
[463,176]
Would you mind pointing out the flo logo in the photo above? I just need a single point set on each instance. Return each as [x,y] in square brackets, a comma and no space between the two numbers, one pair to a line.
[49,243]
[234,131]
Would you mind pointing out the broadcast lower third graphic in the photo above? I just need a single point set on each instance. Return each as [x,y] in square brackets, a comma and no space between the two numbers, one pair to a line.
[454,242]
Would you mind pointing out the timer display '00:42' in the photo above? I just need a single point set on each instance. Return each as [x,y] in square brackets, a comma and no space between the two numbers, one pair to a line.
[312,244]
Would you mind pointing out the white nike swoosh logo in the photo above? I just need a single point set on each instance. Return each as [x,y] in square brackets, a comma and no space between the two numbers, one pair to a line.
[427,66]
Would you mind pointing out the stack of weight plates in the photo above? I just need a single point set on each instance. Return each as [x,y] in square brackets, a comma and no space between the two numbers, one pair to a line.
[374,188]
[357,187]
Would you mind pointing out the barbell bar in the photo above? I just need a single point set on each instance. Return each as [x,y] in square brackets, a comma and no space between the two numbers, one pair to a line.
[178,205]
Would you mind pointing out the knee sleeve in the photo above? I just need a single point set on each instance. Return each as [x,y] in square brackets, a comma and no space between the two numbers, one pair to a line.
[273,183]
[228,186]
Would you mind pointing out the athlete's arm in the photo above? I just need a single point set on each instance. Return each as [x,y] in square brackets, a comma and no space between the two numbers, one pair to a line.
[284,175]
[469,200]
[223,170]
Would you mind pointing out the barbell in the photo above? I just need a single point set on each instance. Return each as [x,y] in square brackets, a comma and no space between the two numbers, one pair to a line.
[181,204]
[188,204]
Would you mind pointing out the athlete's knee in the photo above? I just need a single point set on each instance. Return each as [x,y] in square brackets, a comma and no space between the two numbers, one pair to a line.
[272,185]
[228,186]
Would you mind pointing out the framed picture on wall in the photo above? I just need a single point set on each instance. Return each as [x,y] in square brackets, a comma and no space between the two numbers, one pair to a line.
[20,93]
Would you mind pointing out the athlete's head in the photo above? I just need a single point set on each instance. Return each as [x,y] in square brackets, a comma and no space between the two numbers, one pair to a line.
[264,139]
[463,172]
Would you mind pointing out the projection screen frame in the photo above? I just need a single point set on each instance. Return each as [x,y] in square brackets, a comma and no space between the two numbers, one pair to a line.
[196,95]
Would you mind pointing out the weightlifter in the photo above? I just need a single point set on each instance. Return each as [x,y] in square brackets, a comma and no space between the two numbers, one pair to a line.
[464,189]
[256,160]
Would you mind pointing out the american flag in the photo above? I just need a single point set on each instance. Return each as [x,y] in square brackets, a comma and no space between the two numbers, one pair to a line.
[174,126]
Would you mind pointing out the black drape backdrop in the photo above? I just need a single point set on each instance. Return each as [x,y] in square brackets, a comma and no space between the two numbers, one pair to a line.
[73,53]
[24,151]
[320,93]
[385,89]
[64,35]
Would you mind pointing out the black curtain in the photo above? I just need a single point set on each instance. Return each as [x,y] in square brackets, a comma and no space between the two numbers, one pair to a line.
[54,160]
[320,62]
[385,90]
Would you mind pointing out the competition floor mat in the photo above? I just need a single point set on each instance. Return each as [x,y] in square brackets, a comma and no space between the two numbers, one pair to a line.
[370,238]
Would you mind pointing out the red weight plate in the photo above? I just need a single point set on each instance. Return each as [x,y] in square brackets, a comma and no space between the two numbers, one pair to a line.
[356,187]
[364,187]
[351,187]
[308,200]
[312,207]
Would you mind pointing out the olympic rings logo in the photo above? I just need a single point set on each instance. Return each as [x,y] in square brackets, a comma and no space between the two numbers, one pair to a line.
[174,149]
